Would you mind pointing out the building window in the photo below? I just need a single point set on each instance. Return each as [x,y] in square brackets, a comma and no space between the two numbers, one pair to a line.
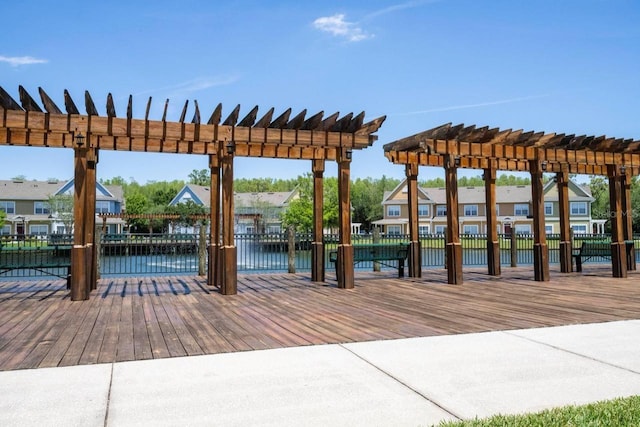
[41,208]
[102,206]
[470,210]
[8,207]
[274,229]
[497,209]
[579,229]
[394,230]
[548,208]
[523,229]
[423,229]
[440,229]
[441,210]
[38,229]
[470,229]
[548,229]
[578,208]
[423,210]
[521,210]
[5,230]
[393,210]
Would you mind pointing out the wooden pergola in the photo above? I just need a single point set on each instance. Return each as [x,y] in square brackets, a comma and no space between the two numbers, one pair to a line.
[313,138]
[492,149]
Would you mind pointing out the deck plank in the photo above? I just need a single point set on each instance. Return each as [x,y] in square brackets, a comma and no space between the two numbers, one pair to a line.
[157,317]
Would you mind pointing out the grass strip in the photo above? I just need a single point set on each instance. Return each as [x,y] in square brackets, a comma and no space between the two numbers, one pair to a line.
[616,412]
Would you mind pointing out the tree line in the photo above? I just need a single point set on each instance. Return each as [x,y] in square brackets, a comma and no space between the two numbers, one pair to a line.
[366,198]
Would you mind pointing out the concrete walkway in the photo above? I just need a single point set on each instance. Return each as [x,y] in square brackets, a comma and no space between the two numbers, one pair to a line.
[409,382]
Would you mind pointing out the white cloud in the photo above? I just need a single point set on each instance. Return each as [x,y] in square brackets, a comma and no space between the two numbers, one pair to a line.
[482,104]
[337,26]
[16,61]
[194,85]
[397,7]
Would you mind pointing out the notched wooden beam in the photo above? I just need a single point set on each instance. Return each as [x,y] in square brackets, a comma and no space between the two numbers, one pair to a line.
[48,103]
[111,108]
[216,116]
[28,103]
[7,102]
[196,114]
[69,105]
[282,120]
[265,120]
[90,106]
[250,118]
[297,121]
[233,117]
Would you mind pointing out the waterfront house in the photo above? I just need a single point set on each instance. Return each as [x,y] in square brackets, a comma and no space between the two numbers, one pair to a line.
[257,212]
[26,204]
[513,210]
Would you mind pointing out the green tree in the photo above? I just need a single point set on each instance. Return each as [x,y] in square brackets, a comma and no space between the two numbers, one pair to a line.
[3,218]
[366,199]
[200,177]
[137,204]
[186,211]
[600,191]
[61,206]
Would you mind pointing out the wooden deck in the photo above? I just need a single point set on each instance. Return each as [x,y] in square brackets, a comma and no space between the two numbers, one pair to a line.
[157,317]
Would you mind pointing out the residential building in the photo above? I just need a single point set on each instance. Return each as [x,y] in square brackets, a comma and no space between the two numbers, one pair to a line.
[26,204]
[257,212]
[513,210]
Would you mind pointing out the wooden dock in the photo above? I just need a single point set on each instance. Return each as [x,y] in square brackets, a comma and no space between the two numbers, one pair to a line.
[158,317]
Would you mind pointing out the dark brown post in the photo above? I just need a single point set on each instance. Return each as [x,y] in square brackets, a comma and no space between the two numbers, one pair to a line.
[317,245]
[214,278]
[376,239]
[514,246]
[540,249]
[566,247]
[344,265]
[453,249]
[291,249]
[415,262]
[229,284]
[493,244]
[627,211]
[79,267]
[90,222]
[618,249]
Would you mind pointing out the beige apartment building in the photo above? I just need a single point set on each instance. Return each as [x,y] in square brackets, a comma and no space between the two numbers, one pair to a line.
[513,210]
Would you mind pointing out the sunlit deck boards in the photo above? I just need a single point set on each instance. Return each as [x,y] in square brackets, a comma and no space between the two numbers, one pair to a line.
[143,318]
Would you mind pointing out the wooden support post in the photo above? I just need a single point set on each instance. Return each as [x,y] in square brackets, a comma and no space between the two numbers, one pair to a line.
[618,247]
[317,245]
[514,247]
[453,249]
[229,285]
[415,261]
[79,270]
[344,265]
[376,239]
[627,212]
[540,249]
[214,278]
[90,210]
[291,249]
[566,247]
[493,244]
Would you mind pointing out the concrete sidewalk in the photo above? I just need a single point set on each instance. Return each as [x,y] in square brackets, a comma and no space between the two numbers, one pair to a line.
[412,382]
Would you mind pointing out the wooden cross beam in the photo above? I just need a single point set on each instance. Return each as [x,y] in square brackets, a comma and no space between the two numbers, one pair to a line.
[26,124]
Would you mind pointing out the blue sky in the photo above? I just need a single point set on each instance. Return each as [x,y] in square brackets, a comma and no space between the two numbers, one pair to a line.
[563,66]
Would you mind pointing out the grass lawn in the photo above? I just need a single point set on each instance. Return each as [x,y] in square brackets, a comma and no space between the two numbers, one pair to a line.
[617,412]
